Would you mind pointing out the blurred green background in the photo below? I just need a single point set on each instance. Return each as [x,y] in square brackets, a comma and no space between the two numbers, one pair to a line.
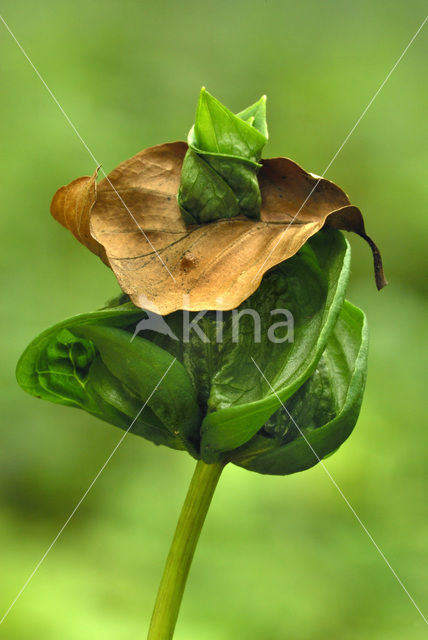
[279,557]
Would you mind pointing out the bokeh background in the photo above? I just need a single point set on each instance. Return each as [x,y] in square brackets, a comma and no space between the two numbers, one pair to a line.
[279,557]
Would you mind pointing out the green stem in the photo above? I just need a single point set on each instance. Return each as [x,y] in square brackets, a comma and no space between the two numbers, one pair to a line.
[183,547]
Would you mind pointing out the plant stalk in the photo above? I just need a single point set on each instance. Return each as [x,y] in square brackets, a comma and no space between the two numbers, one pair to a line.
[173,582]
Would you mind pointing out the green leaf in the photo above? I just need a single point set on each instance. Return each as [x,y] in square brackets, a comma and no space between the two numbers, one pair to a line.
[49,346]
[231,391]
[219,173]
[204,195]
[111,394]
[320,416]
[89,362]
[217,130]
[256,113]
[222,397]
[312,287]
[140,366]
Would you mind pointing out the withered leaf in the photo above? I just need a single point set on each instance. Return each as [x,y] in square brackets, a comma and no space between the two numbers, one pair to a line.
[164,265]
[72,205]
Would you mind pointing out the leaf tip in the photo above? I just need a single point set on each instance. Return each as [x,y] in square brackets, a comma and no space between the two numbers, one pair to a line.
[379,274]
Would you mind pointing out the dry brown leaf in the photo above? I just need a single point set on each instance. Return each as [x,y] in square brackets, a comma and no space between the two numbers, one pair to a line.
[164,266]
[72,206]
